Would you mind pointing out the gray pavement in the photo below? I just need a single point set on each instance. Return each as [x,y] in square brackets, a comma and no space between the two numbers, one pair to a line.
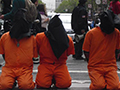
[78,72]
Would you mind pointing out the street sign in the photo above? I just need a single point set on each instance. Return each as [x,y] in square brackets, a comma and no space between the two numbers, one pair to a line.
[104,1]
[98,2]
[89,5]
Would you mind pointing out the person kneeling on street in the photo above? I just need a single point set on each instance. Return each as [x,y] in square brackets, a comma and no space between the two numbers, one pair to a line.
[54,46]
[18,47]
[99,46]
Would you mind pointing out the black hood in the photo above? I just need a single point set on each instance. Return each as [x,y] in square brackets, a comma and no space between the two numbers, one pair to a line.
[57,36]
[20,27]
[107,21]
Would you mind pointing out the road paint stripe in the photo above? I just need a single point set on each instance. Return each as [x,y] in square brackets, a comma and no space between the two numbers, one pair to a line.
[73,71]
[74,85]
[70,71]
[81,81]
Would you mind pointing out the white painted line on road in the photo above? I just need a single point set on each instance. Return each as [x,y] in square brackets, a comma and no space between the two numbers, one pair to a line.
[74,85]
[77,71]
[70,71]
[73,71]
[81,81]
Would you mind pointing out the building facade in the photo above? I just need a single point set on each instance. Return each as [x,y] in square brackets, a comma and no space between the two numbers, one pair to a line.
[51,5]
[58,2]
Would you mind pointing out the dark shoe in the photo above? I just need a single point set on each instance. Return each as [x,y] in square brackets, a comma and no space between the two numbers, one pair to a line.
[73,56]
[35,60]
[14,85]
[1,65]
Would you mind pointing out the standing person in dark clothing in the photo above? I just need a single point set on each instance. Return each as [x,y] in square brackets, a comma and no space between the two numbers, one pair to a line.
[80,26]
[15,6]
[6,8]
[8,16]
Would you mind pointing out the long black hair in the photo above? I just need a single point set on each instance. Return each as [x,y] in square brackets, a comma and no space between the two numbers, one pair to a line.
[41,8]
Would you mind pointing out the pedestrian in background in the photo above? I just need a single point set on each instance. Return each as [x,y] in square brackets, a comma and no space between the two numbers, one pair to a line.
[99,47]
[35,2]
[80,26]
[37,24]
[44,18]
[115,7]
[17,4]
[54,46]
[18,48]
[6,8]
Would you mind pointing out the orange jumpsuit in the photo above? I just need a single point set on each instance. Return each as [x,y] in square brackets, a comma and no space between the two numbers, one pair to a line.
[18,62]
[102,66]
[50,66]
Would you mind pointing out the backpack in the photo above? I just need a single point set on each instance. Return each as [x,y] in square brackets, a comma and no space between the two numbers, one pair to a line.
[31,12]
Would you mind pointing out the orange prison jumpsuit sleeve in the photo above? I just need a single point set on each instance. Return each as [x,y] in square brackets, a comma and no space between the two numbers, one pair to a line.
[18,62]
[102,66]
[50,66]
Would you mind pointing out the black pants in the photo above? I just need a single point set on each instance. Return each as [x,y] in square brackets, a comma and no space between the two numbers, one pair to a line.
[78,49]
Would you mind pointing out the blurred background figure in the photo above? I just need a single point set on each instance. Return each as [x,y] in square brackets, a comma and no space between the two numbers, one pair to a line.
[79,24]
[37,24]
[6,8]
[8,14]
[115,7]
[44,17]
[35,2]
[16,4]
[92,25]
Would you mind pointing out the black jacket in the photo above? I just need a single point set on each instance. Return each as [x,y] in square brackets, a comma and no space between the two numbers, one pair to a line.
[79,19]
[6,6]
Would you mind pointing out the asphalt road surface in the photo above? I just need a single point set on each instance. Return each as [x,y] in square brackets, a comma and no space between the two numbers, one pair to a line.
[78,72]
